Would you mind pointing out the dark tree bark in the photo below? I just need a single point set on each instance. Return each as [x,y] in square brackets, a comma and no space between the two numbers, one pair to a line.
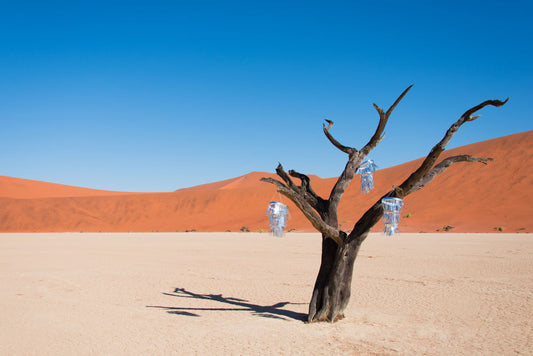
[332,289]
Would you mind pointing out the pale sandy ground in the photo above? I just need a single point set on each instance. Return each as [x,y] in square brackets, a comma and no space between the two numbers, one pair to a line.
[228,293]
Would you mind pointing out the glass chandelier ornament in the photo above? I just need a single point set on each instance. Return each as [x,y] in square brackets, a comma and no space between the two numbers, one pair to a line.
[391,214]
[277,213]
[366,170]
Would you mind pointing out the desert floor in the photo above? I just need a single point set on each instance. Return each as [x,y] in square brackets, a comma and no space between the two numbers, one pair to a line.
[247,293]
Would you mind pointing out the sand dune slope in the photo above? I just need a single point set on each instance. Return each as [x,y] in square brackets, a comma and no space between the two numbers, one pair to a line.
[470,197]
[32,189]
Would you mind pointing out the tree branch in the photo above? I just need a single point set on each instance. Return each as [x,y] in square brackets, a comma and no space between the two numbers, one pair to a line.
[383,118]
[369,219]
[348,150]
[422,176]
[343,182]
[317,222]
[435,152]
[442,166]
[281,172]
[304,190]
[355,160]
[307,190]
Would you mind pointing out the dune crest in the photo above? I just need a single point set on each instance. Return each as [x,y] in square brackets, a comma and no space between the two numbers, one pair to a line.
[19,188]
[468,197]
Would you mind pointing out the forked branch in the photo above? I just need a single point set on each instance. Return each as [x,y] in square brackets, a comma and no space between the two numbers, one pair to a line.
[306,200]
[383,118]
[317,222]
[315,208]
[423,175]
[281,172]
[372,215]
[306,188]
[444,165]
[357,157]
[435,152]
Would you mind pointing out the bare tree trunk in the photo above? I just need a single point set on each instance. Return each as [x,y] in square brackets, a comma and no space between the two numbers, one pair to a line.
[332,290]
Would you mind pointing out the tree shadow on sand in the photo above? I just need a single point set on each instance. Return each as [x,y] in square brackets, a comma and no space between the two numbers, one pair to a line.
[266,311]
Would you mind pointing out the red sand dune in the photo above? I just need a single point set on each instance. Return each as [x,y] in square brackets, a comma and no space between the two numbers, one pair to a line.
[471,197]
[30,189]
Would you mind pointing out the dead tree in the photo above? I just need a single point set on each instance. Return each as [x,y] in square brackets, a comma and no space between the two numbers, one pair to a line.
[339,249]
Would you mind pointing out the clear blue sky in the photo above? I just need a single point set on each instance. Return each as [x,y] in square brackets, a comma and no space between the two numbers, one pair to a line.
[160,95]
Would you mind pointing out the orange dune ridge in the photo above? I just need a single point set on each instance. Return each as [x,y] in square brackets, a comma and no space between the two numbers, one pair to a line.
[31,189]
[470,197]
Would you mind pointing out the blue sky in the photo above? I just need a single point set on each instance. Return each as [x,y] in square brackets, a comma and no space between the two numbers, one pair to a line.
[161,95]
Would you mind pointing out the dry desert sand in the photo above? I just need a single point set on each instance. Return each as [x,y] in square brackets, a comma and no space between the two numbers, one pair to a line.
[471,197]
[246,293]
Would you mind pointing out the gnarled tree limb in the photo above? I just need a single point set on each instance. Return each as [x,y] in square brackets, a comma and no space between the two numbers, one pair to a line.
[383,118]
[317,222]
[372,215]
[435,152]
[281,172]
[354,161]
[442,166]
[304,191]
[368,220]
[314,199]
[423,175]
[344,181]
[348,150]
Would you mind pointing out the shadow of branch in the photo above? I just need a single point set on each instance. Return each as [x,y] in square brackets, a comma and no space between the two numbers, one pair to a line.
[267,311]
